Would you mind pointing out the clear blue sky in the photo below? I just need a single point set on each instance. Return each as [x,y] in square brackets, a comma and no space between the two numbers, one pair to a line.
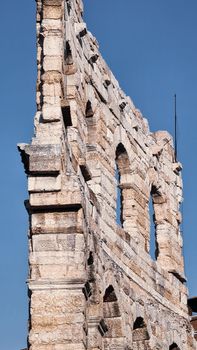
[151,47]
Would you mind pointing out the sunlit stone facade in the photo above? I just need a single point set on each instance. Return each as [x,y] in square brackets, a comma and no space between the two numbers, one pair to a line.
[92,282]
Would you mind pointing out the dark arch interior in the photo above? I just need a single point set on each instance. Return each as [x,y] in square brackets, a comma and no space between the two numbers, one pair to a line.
[122,167]
[139,323]
[174,347]
[110,295]
[89,112]
[120,150]
[90,259]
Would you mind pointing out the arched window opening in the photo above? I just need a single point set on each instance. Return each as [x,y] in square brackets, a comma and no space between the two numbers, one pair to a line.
[68,59]
[139,323]
[66,113]
[110,295]
[153,242]
[140,332]
[89,111]
[92,126]
[68,6]
[111,324]
[90,259]
[91,271]
[154,251]
[110,303]
[174,347]
[121,171]
[119,213]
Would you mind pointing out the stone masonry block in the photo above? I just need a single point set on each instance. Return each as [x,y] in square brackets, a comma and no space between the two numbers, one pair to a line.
[56,222]
[52,12]
[64,198]
[44,183]
[51,113]
[53,46]
[58,242]
[58,346]
[52,2]
[57,302]
[52,63]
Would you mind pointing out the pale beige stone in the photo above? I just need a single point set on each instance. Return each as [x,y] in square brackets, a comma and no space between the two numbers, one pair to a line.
[53,46]
[51,113]
[84,126]
[42,184]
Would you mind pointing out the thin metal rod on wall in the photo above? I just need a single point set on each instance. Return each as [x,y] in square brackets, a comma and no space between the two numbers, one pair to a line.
[175,127]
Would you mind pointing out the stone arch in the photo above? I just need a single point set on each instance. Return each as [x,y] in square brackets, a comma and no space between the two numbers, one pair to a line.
[164,223]
[122,170]
[91,122]
[89,110]
[136,187]
[112,318]
[158,227]
[155,207]
[140,334]
[174,341]
[120,136]
[140,325]
[124,160]
[91,117]
[113,337]
[110,295]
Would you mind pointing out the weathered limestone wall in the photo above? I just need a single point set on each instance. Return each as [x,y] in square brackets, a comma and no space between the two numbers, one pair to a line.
[92,283]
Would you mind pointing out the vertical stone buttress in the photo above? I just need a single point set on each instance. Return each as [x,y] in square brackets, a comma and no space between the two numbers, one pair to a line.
[92,283]
[58,228]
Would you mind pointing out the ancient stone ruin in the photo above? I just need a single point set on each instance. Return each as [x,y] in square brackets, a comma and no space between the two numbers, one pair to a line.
[93,167]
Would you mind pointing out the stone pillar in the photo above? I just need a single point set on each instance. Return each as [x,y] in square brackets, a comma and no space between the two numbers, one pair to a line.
[57,232]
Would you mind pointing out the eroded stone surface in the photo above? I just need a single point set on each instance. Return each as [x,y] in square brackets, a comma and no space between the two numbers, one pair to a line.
[93,284]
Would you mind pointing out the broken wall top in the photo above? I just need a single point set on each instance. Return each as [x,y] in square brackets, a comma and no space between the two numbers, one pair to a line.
[82,117]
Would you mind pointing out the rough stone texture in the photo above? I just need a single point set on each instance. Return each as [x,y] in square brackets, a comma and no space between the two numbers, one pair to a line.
[194,324]
[92,283]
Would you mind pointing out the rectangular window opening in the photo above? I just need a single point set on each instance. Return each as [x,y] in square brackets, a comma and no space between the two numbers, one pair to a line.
[66,116]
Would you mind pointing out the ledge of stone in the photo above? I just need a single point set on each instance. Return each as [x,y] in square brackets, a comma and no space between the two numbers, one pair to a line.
[52,2]
[40,159]
[179,275]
